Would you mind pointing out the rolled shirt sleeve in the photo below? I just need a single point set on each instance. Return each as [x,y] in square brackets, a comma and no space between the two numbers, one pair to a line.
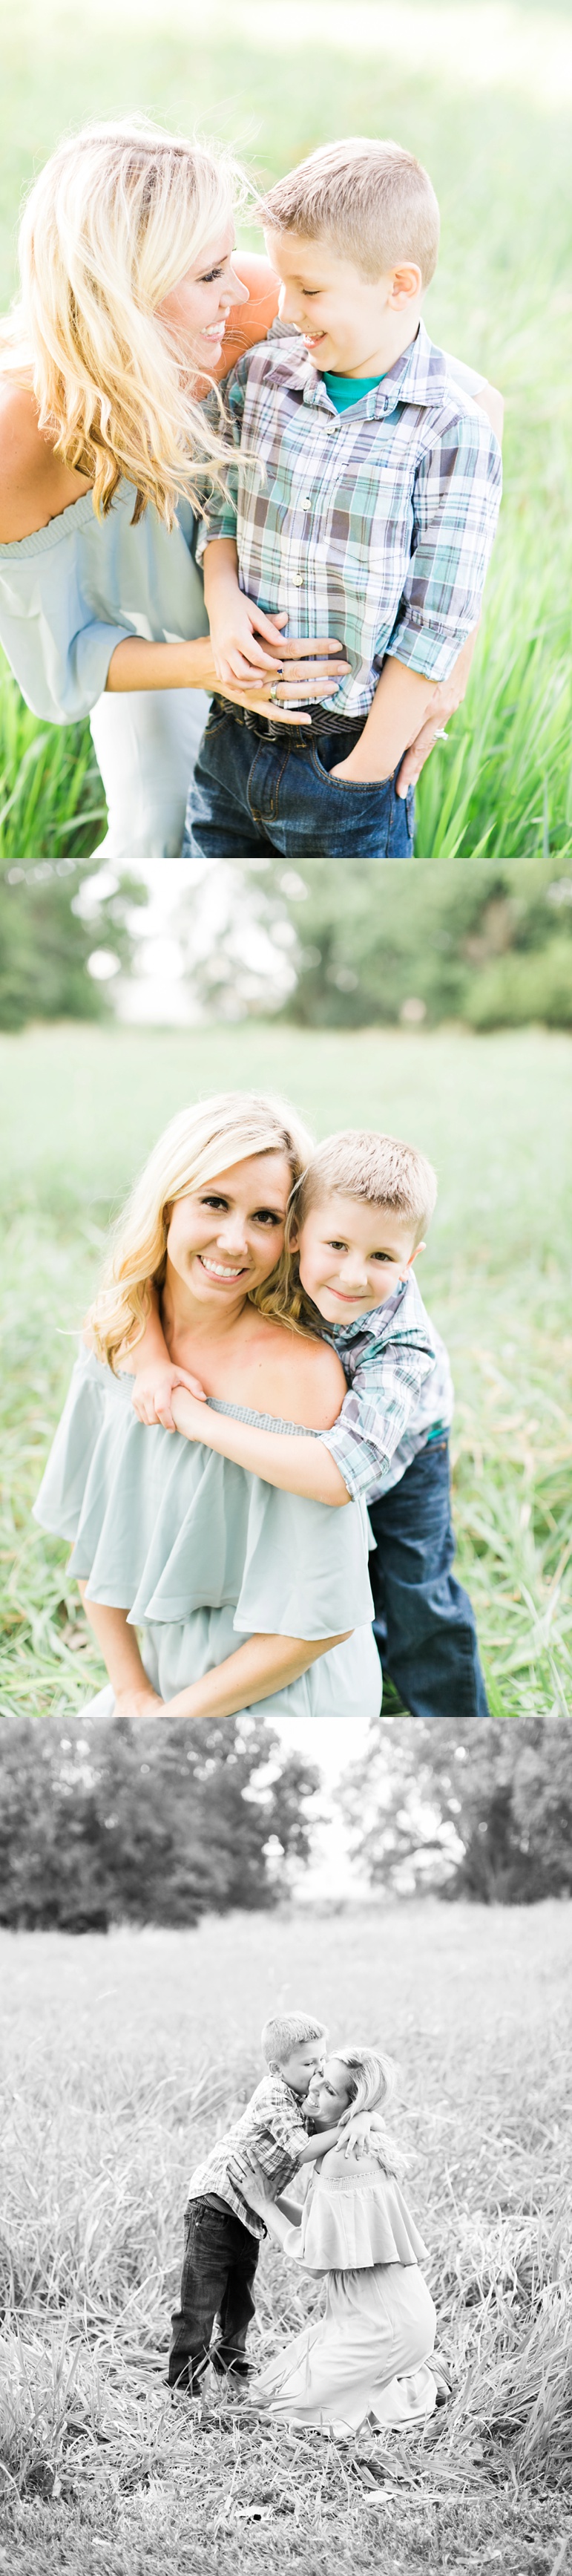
[374,1416]
[221,508]
[456,505]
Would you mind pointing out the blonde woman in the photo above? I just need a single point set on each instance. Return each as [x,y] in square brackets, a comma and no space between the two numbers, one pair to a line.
[368,2355]
[131,302]
[242,1596]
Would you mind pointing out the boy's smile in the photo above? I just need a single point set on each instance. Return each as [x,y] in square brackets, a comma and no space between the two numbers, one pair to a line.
[352,1255]
[351,324]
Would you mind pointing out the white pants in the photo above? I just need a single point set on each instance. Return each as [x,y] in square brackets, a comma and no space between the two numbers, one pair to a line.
[146,743]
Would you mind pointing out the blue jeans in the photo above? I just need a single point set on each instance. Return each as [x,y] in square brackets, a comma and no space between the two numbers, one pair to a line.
[253,790]
[424,1622]
[218,2272]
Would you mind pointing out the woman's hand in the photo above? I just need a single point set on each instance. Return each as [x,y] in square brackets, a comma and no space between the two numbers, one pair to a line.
[255,2186]
[154,1388]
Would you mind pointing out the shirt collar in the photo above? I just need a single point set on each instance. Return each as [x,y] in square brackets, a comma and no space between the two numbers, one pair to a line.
[419,376]
[374,1325]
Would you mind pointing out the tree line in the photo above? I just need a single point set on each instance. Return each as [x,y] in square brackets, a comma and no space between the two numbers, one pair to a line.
[134,1823]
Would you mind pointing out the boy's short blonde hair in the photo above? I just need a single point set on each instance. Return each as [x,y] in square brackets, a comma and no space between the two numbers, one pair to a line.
[372,200]
[358,1163]
[286,2031]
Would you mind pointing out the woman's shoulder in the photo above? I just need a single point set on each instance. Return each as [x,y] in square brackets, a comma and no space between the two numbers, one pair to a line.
[306,1375]
[34,485]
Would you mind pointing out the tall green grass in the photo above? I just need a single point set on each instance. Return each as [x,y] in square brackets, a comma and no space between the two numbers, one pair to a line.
[122,2060]
[500,164]
[79,1109]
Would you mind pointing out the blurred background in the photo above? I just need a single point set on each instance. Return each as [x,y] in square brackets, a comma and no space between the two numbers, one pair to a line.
[482,91]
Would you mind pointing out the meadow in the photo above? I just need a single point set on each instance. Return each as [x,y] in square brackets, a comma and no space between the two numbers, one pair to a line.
[79,1109]
[122,2059]
[483,96]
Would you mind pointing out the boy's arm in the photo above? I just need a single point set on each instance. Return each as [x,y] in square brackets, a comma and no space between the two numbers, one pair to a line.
[319,2145]
[296,1461]
[456,505]
[155,1373]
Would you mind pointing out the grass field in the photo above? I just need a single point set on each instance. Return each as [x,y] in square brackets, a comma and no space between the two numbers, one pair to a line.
[121,2058]
[79,1109]
[482,94]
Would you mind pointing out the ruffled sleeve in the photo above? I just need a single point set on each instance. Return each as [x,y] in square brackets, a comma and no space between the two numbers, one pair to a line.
[161,1526]
[354,2217]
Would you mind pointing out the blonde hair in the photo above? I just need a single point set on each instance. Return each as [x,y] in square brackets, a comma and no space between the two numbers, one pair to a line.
[373,200]
[112,224]
[286,2031]
[373,2080]
[359,1163]
[201,1141]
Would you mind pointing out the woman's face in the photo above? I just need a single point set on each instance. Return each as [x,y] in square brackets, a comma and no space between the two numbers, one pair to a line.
[198,308]
[226,1238]
[329,2093]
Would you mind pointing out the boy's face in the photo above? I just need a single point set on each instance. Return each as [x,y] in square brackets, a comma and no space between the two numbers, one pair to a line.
[343,316]
[352,1255]
[304,2061]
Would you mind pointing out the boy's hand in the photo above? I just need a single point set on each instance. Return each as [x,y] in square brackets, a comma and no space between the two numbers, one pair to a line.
[356,2134]
[154,1388]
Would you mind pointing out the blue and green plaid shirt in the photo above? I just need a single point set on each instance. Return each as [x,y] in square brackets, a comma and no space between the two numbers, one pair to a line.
[400,1391]
[374,524]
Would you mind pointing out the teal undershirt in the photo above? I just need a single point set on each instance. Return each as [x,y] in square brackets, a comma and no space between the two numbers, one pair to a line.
[344,390]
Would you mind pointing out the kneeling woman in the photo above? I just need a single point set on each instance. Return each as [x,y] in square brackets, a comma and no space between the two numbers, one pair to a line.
[242,1595]
[368,2355]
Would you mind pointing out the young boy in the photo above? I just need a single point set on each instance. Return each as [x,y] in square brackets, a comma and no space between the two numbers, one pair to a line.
[367,493]
[222,2233]
[356,1226]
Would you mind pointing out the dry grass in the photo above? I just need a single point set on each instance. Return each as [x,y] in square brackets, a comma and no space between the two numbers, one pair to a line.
[121,2057]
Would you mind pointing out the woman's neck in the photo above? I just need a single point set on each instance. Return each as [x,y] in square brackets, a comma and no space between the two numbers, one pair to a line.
[187,1320]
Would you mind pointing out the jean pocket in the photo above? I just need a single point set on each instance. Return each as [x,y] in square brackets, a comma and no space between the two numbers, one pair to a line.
[369,787]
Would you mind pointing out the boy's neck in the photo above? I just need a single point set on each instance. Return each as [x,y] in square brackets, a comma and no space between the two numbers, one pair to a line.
[397,334]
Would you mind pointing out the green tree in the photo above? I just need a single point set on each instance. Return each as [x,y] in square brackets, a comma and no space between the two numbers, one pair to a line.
[477,1810]
[489,943]
[128,1822]
[46,940]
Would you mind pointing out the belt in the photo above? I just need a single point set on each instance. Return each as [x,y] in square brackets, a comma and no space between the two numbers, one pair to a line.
[322,720]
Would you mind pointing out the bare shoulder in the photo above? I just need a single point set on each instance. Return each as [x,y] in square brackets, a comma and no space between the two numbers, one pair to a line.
[34,485]
[303,1379]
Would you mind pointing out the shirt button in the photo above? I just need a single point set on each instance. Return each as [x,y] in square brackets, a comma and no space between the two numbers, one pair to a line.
[298,580]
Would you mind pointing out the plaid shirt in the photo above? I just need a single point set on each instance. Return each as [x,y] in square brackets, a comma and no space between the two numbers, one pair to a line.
[273,2128]
[400,1392]
[374,524]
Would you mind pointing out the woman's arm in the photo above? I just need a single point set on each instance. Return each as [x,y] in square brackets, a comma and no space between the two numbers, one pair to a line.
[260,1668]
[134,1694]
[296,1462]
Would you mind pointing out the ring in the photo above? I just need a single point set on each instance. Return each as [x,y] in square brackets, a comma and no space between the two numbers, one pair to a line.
[273,692]
[442,736]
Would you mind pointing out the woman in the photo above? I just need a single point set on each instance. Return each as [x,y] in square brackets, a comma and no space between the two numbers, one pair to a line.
[131,303]
[368,2354]
[168,1538]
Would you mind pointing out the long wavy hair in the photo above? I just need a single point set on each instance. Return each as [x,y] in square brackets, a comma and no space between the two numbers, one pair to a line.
[200,1142]
[373,2081]
[118,215]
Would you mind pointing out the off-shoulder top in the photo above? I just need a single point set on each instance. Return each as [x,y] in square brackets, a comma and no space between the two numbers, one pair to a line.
[353,2218]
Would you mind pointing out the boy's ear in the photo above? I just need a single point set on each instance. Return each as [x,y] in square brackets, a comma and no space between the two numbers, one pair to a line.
[406,284]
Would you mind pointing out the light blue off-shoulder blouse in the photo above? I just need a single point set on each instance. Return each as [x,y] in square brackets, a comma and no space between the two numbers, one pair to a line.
[202,1555]
[73,590]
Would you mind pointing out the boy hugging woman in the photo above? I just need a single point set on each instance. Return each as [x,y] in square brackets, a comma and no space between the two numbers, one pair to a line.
[368,2354]
[355,1228]
[361,508]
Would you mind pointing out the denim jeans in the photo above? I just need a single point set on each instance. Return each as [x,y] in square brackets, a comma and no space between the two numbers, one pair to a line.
[253,790]
[424,1622]
[218,2271]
